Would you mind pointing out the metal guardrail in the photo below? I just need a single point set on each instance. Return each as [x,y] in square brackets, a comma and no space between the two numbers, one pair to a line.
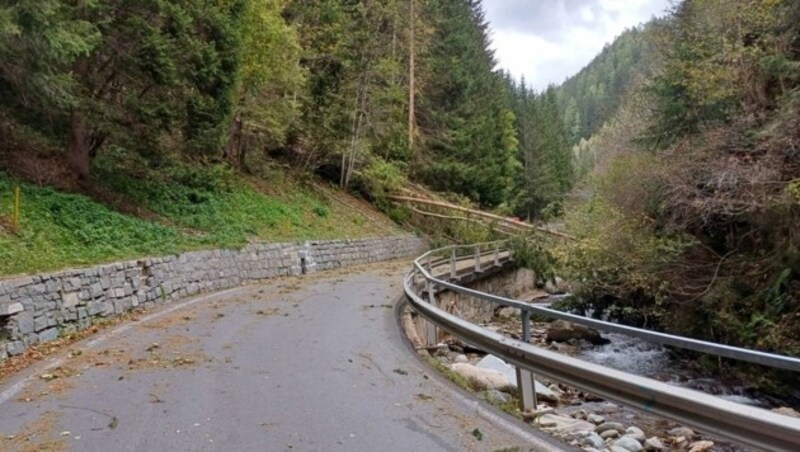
[745,424]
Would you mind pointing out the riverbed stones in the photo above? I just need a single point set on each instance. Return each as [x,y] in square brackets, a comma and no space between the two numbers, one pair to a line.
[635,433]
[461,358]
[609,426]
[563,424]
[580,414]
[653,445]
[628,443]
[786,411]
[508,313]
[563,331]
[609,434]
[701,446]
[682,431]
[595,419]
[594,440]
[556,286]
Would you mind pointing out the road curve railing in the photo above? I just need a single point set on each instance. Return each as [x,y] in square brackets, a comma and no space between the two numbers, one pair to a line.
[443,269]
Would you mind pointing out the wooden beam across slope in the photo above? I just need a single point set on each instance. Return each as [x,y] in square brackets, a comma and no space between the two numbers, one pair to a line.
[507,221]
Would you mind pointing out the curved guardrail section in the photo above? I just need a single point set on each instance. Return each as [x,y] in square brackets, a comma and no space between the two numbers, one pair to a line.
[745,424]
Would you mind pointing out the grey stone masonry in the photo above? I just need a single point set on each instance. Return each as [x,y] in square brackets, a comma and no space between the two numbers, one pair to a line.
[39,308]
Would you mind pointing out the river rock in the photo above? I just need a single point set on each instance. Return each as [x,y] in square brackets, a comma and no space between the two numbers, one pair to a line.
[508,313]
[608,434]
[609,426]
[461,358]
[594,440]
[628,443]
[580,414]
[653,445]
[484,378]
[563,424]
[564,348]
[562,331]
[786,411]
[635,433]
[595,419]
[701,446]
[495,396]
[491,362]
[682,431]
[555,286]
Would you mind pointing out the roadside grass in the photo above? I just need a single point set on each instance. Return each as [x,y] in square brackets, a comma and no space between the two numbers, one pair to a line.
[179,208]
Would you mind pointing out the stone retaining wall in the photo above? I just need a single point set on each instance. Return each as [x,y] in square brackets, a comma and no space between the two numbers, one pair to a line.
[42,307]
[510,282]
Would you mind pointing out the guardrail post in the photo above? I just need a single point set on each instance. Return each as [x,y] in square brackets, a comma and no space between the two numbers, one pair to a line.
[432,331]
[526,327]
[477,258]
[525,378]
[453,269]
[496,254]
[527,390]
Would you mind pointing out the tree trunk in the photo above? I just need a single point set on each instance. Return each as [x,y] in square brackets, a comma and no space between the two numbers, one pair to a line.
[411,77]
[233,148]
[78,147]
[79,135]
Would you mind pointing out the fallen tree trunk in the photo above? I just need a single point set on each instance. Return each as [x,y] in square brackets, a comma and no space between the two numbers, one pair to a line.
[455,218]
[507,221]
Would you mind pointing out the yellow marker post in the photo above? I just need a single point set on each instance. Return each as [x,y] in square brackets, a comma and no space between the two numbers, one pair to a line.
[16,208]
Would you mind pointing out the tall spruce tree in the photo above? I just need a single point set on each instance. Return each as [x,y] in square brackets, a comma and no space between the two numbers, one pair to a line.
[467,126]
[87,73]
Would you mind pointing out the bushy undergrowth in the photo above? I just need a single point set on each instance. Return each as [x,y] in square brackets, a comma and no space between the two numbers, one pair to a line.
[181,207]
[59,229]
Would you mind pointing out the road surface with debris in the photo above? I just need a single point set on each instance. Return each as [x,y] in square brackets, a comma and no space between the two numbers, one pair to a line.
[309,363]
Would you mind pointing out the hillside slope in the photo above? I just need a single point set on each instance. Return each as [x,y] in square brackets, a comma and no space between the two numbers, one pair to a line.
[137,211]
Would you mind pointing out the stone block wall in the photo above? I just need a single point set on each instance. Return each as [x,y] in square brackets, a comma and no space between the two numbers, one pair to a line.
[511,282]
[40,308]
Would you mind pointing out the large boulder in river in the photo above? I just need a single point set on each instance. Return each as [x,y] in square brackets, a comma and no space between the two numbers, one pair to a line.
[491,362]
[556,286]
[483,378]
[563,331]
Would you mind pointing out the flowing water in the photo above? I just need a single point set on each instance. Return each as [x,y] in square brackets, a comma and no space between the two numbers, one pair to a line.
[635,356]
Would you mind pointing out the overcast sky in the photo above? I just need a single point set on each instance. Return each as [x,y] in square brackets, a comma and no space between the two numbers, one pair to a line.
[549,40]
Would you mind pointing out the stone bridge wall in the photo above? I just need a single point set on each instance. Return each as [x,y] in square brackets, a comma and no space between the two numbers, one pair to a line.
[510,282]
[42,307]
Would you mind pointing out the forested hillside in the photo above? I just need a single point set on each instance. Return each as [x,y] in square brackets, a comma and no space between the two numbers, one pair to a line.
[131,102]
[592,96]
[689,220]
[676,148]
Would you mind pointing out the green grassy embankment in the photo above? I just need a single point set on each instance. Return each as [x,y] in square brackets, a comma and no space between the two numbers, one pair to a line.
[175,208]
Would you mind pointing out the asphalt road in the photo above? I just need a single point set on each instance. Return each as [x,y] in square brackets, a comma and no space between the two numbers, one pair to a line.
[300,364]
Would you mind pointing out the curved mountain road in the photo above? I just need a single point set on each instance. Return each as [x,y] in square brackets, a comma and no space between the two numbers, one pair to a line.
[311,363]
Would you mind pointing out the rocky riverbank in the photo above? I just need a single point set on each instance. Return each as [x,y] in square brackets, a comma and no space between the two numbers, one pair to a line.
[581,419]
